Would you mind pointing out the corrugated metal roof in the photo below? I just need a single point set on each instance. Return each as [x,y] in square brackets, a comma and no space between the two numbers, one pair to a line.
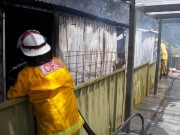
[158,9]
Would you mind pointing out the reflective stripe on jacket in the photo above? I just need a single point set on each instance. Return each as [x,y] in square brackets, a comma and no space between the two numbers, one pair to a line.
[50,89]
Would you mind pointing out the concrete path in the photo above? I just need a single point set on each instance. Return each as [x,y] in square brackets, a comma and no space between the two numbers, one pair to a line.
[152,109]
[170,121]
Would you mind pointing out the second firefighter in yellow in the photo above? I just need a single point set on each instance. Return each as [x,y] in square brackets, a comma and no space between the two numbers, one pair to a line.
[164,58]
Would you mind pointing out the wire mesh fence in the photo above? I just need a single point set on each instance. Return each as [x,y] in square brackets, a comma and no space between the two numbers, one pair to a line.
[88,65]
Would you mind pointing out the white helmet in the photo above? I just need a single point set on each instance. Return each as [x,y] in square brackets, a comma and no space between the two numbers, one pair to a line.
[32,43]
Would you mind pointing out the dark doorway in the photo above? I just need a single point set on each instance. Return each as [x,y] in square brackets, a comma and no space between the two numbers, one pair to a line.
[121,38]
[18,20]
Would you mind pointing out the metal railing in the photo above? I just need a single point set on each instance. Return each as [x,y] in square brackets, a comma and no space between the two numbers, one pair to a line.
[120,129]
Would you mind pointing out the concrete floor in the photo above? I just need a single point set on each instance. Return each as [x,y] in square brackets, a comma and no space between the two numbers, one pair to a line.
[170,121]
[161,112]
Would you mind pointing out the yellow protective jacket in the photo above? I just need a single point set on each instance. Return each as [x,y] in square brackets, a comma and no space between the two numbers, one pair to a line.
[50,89]
[164,54]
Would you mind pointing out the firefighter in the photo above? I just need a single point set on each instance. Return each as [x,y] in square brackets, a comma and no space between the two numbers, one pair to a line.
[49,86]
[164,58]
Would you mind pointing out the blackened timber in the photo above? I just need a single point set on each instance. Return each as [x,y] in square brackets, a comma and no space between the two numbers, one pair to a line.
[55,34]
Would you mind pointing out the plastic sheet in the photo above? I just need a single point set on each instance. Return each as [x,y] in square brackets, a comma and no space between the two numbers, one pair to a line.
[87,47]
[146,31]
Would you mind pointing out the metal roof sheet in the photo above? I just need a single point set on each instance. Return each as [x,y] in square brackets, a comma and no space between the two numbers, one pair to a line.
[156,2]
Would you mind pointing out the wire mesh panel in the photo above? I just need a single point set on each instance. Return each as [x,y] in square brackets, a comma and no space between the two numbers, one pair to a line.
[90,65]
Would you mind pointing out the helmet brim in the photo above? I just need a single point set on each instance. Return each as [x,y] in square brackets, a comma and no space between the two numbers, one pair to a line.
[36,52]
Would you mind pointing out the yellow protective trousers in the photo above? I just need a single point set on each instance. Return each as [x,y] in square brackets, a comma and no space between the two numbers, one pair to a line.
[163,66]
